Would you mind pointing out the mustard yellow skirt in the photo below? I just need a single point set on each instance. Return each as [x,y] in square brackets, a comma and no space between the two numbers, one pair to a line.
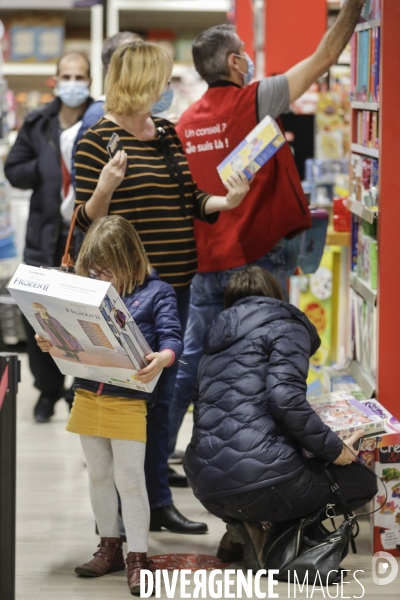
[108,416]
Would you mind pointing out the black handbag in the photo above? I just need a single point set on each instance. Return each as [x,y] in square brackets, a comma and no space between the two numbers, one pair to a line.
[306,548]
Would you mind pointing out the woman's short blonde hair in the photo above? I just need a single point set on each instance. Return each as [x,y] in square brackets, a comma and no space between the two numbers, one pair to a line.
[138,74]
[112,243]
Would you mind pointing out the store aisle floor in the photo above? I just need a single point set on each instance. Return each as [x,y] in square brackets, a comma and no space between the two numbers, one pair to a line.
[55,526]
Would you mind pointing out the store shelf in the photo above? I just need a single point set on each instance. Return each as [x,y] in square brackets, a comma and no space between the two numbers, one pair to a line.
[363,289]
[44,69]
[355,207]
[366,382]
[371,152]
[79,17]
[368,25]
[38,4]
[173,5]
[365,105]
[337,238]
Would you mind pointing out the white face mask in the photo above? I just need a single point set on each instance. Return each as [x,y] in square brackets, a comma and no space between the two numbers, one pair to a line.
[73,93]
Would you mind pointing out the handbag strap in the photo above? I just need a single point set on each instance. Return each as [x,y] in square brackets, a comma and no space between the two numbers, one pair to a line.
[68,260]
[347,512]
[338,493]
[173,167]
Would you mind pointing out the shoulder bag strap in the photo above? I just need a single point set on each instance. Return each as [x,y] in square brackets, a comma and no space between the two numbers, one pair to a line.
[68,260]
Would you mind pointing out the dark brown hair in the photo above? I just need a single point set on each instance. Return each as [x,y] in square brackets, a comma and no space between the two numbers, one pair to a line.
[252,281]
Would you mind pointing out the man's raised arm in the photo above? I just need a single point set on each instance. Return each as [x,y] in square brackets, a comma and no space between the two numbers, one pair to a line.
[302,75]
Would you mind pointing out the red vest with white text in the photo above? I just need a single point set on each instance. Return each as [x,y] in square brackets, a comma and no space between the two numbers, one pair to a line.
[274,208]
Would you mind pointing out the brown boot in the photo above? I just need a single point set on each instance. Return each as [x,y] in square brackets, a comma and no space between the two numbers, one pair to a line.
[253,536]
[228,550]
[136,561]
[107,559]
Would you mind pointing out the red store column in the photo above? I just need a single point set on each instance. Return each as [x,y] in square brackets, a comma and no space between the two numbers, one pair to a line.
[293,30]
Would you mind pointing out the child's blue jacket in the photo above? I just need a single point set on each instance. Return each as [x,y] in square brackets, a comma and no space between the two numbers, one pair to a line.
[153,305]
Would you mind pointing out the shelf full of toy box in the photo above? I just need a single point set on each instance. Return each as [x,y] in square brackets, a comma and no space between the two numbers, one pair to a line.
[351,378]
[365,381]
[358,105]
[363,289]
[371,152]
[364,259]
[364,212]
[368,25]
[321,177]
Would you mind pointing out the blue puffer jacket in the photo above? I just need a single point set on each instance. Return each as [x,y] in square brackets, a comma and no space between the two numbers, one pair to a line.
[251,416]
[153,305]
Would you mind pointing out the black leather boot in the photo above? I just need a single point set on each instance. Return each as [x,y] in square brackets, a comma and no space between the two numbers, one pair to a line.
[168,517]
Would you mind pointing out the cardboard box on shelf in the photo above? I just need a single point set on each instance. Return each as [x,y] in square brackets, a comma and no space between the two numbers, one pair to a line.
[33,39]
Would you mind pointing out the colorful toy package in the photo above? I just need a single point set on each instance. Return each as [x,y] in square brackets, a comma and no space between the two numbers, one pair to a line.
[92,332]
[255,150]
[312,294]
[344,414]
[386,521]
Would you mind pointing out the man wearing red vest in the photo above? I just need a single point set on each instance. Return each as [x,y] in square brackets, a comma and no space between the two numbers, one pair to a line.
[275,208]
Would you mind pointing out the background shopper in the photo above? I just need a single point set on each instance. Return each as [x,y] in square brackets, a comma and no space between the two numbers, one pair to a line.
[275,206]
[34,162]
[96,110]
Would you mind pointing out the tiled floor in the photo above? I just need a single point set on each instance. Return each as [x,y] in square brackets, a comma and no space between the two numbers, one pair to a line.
[55,527]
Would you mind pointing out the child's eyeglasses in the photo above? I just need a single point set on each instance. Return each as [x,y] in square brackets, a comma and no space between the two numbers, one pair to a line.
[95,274]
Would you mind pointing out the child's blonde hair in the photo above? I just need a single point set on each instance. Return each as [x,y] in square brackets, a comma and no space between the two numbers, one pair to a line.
[138,74]
[112,243]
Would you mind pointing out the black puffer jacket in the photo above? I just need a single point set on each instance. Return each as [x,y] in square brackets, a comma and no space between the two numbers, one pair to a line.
[251,417]
[34,163]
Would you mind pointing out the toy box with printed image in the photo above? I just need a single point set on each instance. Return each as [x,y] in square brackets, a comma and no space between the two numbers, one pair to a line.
[254,151]
[345,414]
[92,332]
[386,521]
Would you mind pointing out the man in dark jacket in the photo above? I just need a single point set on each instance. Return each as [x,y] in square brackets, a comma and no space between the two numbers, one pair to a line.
[34,163]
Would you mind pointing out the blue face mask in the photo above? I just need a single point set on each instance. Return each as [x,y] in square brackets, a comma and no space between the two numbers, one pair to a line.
[247,77]
[163,103]
[73,93]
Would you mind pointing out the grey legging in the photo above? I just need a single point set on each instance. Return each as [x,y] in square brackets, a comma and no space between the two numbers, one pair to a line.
[118,464]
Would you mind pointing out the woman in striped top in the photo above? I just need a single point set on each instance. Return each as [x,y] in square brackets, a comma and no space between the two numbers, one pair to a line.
[149,183]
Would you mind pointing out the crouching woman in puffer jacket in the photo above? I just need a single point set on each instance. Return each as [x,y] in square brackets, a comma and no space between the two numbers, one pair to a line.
[245,461]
